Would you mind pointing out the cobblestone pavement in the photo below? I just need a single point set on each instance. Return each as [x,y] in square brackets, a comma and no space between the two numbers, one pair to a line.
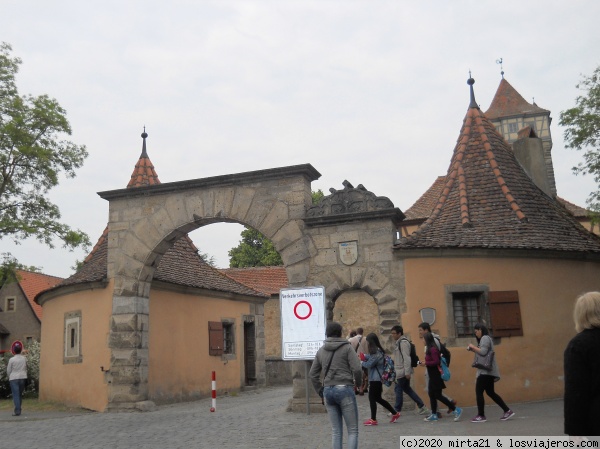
[252,419]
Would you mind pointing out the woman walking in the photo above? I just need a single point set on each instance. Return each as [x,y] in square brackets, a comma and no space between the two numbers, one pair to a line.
[374,363]
[485,379]
[436,384]
[337,363]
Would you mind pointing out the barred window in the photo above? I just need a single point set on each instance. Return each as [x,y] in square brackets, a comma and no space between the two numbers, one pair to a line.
[467,307]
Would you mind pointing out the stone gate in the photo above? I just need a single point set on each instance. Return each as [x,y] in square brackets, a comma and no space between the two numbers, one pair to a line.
[145,222]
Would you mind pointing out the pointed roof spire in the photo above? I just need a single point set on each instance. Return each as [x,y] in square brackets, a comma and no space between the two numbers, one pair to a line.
[499,61]
[144,135]
[143,173]
[470,82]
[487,201]
[508,102]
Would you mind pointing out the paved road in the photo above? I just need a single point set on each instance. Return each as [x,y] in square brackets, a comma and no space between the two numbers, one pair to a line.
[253,419]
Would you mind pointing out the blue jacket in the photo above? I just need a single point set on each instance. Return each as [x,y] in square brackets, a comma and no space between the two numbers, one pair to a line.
[374,363]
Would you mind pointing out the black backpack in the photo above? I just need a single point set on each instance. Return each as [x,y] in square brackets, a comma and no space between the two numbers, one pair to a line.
[445,352]
[414,358]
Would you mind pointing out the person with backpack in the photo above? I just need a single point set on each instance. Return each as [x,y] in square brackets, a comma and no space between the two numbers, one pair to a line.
[374,362]
[406,359]
[425,328]
[436,384]
[486,379]
[337,364]
[359,344]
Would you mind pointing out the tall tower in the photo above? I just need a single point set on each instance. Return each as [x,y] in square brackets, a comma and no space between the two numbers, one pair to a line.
[517,120]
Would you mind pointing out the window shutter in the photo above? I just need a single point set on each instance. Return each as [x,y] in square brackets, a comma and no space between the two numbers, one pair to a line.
[215,338]
[505,313]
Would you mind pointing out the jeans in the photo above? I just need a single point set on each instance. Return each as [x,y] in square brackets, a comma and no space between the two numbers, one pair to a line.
[340,402]
[403,386]
[17,387]
[486,383]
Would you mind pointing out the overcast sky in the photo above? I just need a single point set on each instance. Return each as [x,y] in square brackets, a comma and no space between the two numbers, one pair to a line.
[369,91]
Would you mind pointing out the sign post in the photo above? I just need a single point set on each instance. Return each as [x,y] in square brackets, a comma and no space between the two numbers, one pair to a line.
[303,322]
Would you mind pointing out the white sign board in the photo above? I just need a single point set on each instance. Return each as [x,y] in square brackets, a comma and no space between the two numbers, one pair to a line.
[303,322]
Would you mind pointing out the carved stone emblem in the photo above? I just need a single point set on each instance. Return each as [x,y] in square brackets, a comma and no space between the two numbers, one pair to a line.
[348,252]
[349,200]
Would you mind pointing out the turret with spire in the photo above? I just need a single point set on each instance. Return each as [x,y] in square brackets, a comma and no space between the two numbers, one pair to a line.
[526,127]
[488,202]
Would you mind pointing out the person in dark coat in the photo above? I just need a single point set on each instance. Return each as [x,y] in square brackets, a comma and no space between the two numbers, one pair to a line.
[582,370]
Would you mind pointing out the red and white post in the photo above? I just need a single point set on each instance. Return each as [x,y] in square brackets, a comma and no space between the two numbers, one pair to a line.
[214,392]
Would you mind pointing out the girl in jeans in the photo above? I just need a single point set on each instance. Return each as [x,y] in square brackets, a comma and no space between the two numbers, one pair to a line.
[374,363]
[337,363]
[485,379]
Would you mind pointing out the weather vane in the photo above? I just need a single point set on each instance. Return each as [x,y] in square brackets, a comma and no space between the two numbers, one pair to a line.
[499,61]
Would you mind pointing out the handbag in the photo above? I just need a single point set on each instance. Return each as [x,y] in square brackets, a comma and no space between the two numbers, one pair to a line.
[484,362]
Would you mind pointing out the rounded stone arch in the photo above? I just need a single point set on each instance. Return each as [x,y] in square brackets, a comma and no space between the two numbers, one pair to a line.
[145,222]
[370,279]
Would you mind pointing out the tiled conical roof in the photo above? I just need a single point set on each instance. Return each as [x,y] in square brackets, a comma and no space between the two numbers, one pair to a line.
[143,173]
[508,102]
[180,265]
[488,201]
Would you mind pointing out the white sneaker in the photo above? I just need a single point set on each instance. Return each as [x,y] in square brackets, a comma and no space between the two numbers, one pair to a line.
[424,410]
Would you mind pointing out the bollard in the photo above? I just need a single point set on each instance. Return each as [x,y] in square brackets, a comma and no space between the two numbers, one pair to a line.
[214,392]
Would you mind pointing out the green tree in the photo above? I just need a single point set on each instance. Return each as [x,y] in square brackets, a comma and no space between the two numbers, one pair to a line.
[9,266]
[33,154]
[582,131]
[317,196]
[254,250]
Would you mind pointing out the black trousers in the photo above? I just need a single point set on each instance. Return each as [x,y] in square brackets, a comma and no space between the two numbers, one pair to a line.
[486,383]
[375,391]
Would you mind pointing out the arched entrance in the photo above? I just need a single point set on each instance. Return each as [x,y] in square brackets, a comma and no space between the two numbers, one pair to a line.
[146,221]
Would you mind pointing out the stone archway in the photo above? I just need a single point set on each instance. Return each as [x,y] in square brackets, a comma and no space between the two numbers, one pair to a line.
[146,221]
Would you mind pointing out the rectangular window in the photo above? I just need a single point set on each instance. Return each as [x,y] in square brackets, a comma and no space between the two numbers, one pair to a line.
[513,128]
[468,310]
[10,304]
[72,341]
[221,337]
[227,338]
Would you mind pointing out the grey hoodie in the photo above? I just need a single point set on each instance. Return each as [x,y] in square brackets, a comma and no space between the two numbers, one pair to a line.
[345,366]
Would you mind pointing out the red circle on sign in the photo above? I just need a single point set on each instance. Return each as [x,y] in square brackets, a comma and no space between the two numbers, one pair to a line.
[296,310]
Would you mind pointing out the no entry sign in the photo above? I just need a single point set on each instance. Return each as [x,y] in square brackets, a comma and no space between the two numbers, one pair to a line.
[303,322]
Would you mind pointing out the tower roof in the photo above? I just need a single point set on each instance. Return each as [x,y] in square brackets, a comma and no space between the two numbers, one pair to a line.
[180,265]
[488,201]
[508,102]
[143,172]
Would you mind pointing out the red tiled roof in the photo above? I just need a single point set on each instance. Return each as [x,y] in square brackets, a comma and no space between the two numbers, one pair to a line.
[268,280]
[32,283]
[488,201]
[143,172]
[574,209]
[422,208]
[180,265]
[508,101]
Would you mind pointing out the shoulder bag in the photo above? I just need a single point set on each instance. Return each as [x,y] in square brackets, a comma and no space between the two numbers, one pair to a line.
[484,362]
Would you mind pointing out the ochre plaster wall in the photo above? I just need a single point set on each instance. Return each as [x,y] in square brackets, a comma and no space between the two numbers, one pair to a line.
[77,384]
[531,366]
[180,367]
[273,328]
